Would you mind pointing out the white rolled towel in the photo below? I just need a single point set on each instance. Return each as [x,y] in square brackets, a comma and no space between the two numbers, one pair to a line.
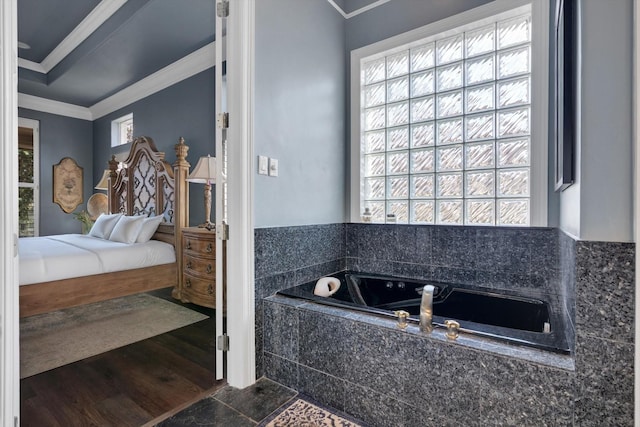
[326,286]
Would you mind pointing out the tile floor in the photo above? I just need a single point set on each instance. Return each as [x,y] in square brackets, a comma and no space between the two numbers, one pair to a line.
[231,407]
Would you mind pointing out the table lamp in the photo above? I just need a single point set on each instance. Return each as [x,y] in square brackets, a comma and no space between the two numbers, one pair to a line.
[205,173]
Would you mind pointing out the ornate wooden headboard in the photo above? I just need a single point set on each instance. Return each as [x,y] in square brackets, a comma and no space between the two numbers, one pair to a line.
[147,185]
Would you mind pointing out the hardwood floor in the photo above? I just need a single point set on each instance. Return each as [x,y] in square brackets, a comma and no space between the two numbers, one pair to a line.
[131,386]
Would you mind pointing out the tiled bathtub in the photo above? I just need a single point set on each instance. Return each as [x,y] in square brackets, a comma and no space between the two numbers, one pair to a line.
[369,368]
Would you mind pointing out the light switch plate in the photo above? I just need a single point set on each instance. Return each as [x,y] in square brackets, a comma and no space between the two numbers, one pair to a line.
[263,165]
[273,167]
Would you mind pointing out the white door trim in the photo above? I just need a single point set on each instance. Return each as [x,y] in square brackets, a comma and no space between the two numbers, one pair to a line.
[241,367]
[9,348]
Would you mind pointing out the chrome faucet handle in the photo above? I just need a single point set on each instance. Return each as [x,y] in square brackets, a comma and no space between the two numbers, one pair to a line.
[453,329]
[402,318]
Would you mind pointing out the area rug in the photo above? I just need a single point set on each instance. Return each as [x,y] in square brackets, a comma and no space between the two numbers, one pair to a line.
[55,339]
[302,413]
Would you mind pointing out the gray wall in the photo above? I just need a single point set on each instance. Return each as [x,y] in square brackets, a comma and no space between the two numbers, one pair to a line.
[185,109]
[61,137]
[600,205]
[399,16]
[300,112]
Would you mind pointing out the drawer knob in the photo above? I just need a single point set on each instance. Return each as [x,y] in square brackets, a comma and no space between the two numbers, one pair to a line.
[187,283]
[209,248]
[209,268]
[188,244]
[188,264]
[210,289]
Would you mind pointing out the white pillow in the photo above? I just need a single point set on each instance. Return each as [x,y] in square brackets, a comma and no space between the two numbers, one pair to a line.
[149,226]
[104,225]
[127,229]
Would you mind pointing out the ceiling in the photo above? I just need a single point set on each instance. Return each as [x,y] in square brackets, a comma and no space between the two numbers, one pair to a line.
[84,51]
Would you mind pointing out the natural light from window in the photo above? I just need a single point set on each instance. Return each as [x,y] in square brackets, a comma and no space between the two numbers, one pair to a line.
[446,129]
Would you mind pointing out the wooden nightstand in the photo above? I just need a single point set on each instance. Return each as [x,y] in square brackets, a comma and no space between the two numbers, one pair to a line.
[198,281]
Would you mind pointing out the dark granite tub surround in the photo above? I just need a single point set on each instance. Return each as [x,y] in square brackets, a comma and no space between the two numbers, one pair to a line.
[605,301]
[366,366]
[388,376]
[285,256]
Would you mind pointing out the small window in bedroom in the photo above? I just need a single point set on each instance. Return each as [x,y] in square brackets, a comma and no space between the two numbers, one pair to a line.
[122,130]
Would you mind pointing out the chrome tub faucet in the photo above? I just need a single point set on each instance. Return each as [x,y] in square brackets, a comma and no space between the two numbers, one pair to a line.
[426,308]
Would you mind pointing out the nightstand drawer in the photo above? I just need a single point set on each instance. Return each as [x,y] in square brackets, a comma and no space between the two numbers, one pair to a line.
[199,246]
[200,266]
[197,286]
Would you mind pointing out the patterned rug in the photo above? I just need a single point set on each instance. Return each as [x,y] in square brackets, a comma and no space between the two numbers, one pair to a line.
[54,339]
[302,413]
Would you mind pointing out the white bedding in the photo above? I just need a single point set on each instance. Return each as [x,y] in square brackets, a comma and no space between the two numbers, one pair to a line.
[43,259]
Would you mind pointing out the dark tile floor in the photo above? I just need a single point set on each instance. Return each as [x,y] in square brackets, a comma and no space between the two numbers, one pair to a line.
[231,407]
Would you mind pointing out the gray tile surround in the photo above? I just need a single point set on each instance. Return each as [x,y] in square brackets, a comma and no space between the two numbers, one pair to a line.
[591,282]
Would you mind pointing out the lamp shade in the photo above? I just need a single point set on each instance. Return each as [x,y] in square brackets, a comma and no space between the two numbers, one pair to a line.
[104,181]
[204,172]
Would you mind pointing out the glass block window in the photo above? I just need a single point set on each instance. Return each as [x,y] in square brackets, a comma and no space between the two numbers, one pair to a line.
[446,128]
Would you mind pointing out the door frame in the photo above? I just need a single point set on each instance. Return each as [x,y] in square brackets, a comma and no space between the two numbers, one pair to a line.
[241,366]
[9,344]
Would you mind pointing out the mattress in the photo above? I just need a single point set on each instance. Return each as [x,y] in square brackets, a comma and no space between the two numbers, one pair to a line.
[48,258]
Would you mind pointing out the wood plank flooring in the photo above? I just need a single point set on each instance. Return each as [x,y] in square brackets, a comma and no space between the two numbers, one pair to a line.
[129,386]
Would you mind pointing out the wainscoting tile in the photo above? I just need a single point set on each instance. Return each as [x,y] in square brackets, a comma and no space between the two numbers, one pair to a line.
[372,407]
[545,248]
[503,281]
[281,370]
[281,334]
[269,285]
[365,265]
[605,371]
[377,242]
[453,275]
[525,394]
[411,244]
[322,387]
[317,271]
[352,239]
[605,285]
[414,417]
[454,247]
[447,374]
[503,250]
[412,271]
[259,352]
[374,358]
[324,342]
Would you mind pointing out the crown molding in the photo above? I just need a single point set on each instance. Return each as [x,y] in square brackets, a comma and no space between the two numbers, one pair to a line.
[84,29]
[53,107]
[30,65]
[190,65]
[366,8]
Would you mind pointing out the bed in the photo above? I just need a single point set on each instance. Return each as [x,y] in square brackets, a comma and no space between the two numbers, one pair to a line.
[144,185]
